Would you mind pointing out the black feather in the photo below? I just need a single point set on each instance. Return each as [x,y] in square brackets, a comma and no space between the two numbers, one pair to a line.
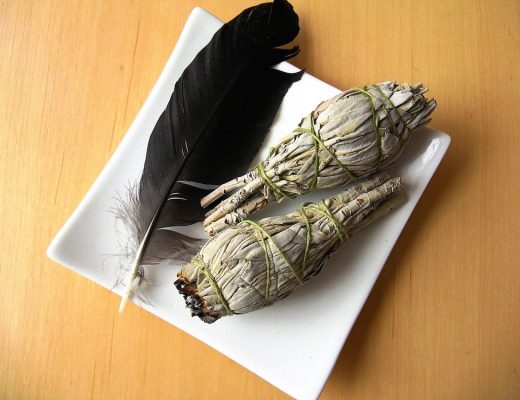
[214,124]
[237,136]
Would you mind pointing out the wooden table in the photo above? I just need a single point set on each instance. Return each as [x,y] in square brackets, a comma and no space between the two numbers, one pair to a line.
[443,320]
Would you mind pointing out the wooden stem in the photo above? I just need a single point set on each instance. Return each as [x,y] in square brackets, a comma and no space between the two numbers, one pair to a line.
[233,202]
[223,189]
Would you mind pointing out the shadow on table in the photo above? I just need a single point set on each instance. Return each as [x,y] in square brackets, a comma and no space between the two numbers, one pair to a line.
[449,177]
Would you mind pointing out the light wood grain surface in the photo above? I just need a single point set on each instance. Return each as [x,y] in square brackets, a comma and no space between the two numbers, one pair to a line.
[443,320]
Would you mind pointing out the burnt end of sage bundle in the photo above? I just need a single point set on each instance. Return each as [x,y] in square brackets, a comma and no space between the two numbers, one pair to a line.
[254,264]
[351,136]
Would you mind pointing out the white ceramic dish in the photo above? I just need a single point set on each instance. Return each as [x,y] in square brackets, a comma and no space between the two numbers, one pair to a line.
[293,344]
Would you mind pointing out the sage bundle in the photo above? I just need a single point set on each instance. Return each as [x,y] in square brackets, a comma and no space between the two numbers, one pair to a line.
[354,134]
[254,264]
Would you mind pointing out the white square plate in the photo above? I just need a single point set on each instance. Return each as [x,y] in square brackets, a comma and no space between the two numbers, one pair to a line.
[293,344]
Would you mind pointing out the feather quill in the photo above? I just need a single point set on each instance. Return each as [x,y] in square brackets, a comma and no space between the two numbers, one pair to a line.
[214,124]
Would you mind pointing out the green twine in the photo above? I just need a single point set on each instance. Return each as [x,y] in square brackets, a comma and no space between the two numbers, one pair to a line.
[307,239]
[261,240]
[197,260]
[261,173]
[322,209]
[261,232]
[388,113]
[319,143]
[374,122]
[393,106]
